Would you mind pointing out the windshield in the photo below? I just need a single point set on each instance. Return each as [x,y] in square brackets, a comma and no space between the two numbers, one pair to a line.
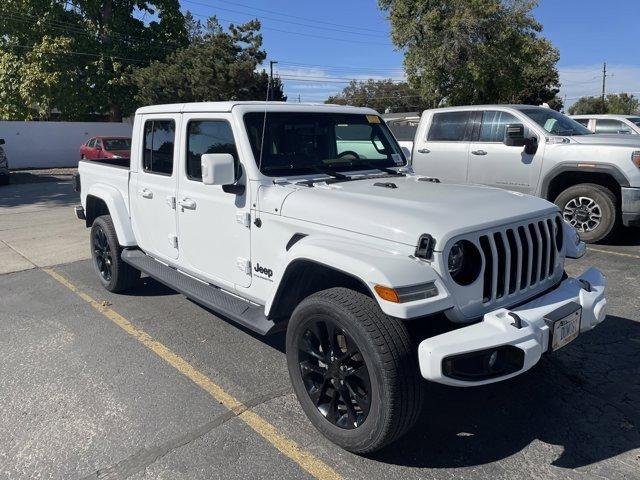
[635,120]
[301,143]
[117,144]
[555,123]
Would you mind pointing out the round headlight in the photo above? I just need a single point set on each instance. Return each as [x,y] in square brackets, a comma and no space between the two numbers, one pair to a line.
[456,259]
[464,262]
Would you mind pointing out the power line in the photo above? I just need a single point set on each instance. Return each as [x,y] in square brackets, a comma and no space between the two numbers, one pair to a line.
[313,20]
[264,17]
[86,54]
[331,79]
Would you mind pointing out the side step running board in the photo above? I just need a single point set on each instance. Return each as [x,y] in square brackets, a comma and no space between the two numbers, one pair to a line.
[246,314]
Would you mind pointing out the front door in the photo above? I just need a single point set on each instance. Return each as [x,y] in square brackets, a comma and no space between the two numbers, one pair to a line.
[154,187]
[491,162]
[213,220]
[443,151]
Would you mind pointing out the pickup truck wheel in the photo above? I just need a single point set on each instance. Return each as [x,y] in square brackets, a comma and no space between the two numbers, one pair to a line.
[114,274]
[353,369]
[591,209]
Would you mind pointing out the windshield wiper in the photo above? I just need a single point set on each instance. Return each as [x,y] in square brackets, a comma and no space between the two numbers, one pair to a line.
[370,166]
[315,168]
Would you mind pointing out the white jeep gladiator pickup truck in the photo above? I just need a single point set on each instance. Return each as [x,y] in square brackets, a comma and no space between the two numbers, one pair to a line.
[594,179]
[306,217]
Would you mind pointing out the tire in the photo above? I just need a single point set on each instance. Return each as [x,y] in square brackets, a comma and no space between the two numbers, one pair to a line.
[114,274]
[582,203]
[384,347]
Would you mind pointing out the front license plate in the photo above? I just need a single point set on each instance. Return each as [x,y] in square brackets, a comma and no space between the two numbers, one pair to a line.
[564,325]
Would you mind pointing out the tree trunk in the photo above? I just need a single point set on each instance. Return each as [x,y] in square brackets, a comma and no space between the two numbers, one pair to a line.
[115,113]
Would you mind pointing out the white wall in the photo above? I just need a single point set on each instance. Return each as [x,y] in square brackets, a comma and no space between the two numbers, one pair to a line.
[52,144]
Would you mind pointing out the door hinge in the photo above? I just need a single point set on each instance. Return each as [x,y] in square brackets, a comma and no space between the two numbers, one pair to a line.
[244,265]
[171,201]
[243,218]
[173,240]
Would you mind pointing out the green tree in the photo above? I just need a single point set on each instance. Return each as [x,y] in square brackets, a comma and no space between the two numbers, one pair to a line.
[586,106]
[12,107]
[474,51]
[622,104]
[380,95]
[216,66]
[83,50]
[615,103]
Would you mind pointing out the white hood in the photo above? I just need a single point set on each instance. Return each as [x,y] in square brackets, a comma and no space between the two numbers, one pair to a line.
[608,140]
[414,207]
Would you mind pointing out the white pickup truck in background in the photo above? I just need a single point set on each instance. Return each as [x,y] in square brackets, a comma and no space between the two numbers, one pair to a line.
[306,218]
[594,179]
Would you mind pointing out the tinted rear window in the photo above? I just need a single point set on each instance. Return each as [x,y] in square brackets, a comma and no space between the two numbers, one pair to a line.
[448,127]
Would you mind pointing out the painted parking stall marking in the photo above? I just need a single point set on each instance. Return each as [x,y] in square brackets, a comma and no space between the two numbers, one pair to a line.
[314,466]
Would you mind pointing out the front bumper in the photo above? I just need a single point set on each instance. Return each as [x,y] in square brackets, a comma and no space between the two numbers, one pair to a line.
[498,329]
[631,206]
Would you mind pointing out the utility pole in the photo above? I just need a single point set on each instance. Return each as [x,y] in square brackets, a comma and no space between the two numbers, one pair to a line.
[604,78]
[271,64]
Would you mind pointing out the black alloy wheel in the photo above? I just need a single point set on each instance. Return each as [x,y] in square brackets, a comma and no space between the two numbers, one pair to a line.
[103,256]
[335,374]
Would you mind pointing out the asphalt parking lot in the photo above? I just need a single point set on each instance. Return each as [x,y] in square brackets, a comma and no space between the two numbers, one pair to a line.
[150,385]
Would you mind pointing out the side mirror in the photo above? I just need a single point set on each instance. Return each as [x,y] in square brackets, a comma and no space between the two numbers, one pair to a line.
[218,169]
[531,147]
[514,135]
[407,153]
[98,147]
[1,141]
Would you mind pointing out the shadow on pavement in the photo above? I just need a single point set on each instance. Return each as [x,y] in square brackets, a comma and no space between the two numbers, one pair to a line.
[583,398]
[628,236]
[54,193]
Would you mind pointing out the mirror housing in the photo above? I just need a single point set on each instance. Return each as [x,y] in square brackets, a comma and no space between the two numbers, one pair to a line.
[514,135]
[407,153]
[1,141]
[218,169]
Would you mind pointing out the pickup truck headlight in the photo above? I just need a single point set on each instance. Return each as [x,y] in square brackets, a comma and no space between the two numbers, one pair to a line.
[464,262]
[635,158]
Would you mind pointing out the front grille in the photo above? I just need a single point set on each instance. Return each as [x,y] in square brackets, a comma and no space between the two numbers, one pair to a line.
[518,258]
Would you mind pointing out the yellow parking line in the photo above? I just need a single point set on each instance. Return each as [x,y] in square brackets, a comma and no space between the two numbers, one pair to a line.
[291,449]
[613,253]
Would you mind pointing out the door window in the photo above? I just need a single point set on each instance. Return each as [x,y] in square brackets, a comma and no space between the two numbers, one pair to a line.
[607,125]
[582,121]
[98,143]
[159,138]
[208,136]
[91,143]
[448,127]
[494,124]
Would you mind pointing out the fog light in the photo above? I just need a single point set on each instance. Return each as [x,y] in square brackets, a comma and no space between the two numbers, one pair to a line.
[484,364]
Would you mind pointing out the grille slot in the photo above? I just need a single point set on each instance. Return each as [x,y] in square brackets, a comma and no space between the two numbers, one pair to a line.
[518,258]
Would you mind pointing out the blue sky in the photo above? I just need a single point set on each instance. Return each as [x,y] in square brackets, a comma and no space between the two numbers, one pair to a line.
[320,45]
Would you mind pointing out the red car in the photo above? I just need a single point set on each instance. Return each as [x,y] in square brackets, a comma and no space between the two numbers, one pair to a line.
[99,148]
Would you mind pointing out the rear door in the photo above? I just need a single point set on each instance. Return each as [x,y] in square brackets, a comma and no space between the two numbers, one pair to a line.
[153,200]
[443,151]
[491,162]
[610,125]
[213,220]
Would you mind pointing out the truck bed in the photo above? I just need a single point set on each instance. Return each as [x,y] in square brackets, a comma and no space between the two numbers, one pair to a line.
[109,174]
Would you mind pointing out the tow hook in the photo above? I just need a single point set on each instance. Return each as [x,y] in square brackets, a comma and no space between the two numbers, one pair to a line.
[517,320]
[585,284]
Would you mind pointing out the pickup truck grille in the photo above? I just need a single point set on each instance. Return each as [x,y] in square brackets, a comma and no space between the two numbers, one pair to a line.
[519,258]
